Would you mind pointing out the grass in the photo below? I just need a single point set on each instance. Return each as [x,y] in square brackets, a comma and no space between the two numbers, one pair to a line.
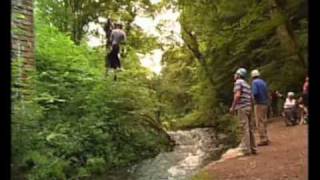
[203,175]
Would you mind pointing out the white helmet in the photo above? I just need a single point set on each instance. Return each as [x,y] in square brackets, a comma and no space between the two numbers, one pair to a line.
[255,73]
[290,94]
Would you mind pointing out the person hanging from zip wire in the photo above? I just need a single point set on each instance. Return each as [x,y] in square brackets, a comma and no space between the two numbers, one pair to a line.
[117,36]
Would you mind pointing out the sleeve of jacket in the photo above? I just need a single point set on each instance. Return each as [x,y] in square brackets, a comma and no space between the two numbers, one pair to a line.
[254,89]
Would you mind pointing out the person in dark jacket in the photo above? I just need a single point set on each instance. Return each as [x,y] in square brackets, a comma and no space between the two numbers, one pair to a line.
[275,97]
[116,37]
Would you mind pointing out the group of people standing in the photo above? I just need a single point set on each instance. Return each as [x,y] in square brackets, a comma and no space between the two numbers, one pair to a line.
[254,100]
[244,98]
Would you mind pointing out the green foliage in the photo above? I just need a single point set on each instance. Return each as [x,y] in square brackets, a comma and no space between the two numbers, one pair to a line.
[221,36]
[80,122]
[96,165]
[229,125]
[73,16]
[203,175]
[176,83]
[24,125]
[44,166]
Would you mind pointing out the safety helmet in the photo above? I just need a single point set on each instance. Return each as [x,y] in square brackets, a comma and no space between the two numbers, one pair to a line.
[290,94]
[255,73]
[242,72]
[118,23]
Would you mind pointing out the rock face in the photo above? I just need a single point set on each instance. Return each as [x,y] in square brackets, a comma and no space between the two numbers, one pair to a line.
[22,34]
[232,153]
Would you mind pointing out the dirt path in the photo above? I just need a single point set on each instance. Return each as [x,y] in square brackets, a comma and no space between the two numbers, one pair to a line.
[286,158]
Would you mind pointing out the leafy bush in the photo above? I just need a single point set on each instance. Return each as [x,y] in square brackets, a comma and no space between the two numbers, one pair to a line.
[79,122]
[230,126]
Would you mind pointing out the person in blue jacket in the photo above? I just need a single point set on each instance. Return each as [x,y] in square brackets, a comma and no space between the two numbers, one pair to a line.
[260,100]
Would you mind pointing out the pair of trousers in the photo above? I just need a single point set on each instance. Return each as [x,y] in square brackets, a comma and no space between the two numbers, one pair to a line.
[261,119]
[247,144]
[113,57]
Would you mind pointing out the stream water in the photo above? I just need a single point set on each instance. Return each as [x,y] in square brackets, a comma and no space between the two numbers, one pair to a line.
[194,149]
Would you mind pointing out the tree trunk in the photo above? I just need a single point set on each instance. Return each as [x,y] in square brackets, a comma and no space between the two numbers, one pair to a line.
[196,52]
[75,36]
[107,30]
[23,44]
[285,32]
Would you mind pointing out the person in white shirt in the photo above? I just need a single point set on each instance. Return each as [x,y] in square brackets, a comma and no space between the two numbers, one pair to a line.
[290,109]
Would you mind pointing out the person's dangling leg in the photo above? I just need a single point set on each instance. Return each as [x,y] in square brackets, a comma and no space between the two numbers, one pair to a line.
[113,61]
[117,61]
[116,56]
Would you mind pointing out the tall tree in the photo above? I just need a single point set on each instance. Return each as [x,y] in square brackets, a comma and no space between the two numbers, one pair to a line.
[73,16]
[285,31]
[23,59]
[224,35]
